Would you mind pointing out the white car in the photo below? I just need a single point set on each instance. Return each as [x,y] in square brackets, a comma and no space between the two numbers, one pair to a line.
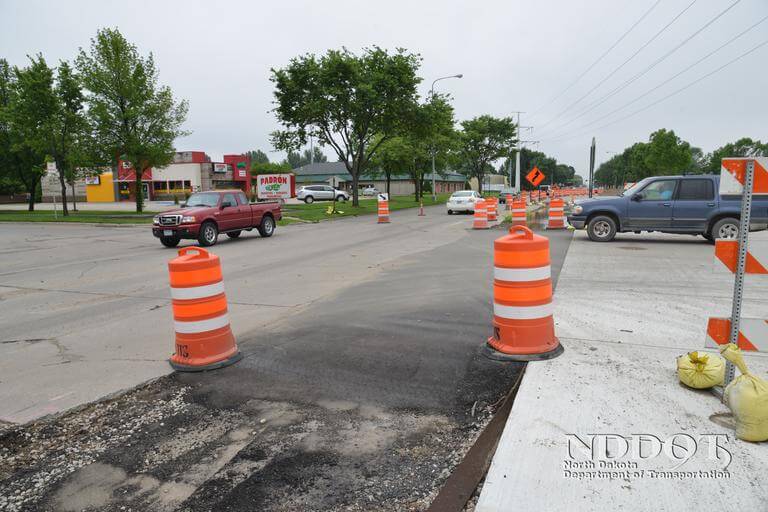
[463,201]
[311,193]
[370,191]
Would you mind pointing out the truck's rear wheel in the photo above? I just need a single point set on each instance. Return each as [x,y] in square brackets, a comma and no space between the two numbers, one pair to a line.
[209,234]
[727,229]
[267,226]
[170,241]
[234,234]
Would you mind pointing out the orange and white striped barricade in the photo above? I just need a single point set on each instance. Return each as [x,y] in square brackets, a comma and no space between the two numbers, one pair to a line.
[523,323]
[204,339]
[519,214]
[492,208]
[743,177]
[383,204]
[556,214]
[509,203]
[480,220]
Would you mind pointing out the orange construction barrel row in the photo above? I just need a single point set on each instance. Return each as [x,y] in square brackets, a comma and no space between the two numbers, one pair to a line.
[523,325]
[204,339]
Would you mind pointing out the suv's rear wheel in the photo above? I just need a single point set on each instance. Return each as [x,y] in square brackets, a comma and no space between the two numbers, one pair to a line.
[601,229]
[309,200]
[170,241]
[209,234]
[267,226]
[727,228]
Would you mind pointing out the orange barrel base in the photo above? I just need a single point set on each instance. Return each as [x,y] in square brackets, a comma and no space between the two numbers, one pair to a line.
[527,340]
[220,342]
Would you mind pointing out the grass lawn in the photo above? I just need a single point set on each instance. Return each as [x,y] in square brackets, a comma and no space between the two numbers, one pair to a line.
[316,212]
[96,216]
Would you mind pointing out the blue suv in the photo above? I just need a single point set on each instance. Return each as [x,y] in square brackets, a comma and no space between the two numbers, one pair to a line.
[668,204]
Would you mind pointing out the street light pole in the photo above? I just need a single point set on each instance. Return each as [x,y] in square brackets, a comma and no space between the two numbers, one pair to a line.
[432,97]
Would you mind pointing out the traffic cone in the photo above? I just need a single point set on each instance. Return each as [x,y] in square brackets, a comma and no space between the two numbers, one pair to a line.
[481,216]
[492,208]
[519,215]
[204,339]
[556,214]
[523,325]
[383,211]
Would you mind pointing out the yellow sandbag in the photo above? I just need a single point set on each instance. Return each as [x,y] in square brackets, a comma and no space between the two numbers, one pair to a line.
[699,370]
[747,396]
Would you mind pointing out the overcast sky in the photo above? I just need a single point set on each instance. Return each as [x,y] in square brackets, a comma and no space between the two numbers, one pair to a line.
[514,55]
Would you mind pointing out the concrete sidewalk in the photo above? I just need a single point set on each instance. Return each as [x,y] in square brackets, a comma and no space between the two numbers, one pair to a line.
[624,311]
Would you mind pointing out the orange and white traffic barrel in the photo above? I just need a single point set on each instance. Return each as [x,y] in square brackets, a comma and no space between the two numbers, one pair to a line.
[481,215]
[204,339]
[383,204]
[509,202]
[492,208]
[523,325]
[519,212]
[556,214]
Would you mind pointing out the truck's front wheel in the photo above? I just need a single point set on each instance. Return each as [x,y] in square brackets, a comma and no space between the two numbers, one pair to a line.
[601,229]
[267,226]
[170,241]
[209,234]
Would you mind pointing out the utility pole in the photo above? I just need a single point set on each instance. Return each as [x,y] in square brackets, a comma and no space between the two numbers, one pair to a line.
[591,166]
[432,97]
[517,157]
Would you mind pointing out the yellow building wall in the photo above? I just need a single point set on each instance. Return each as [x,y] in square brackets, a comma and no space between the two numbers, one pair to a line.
[104,192]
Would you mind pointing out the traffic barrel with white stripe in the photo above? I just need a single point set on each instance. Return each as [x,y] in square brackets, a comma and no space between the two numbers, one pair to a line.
[383,211]
[204,339]
[556,214]
[519,212]
[509,202]
[492,208]
[481,215]
[523,325]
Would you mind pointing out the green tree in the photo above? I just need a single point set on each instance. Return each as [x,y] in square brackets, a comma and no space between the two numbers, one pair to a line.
[132,117]
[484,140]
[345,101]
[269,168]
[25,94]
[742,147]
[666,153]
[9,171]
[257,156]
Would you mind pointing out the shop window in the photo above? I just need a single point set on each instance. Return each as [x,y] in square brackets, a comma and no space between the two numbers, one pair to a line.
[159,186]
[187,185]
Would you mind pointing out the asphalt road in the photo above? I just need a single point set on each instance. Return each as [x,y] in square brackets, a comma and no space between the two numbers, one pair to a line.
[362,384]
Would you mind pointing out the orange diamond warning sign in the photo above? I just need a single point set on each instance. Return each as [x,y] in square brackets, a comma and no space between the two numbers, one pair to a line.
[535,177]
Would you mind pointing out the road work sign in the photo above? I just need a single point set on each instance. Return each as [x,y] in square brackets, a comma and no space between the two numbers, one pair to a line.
[733,176]
[383,196]
[275,186]
[535,177]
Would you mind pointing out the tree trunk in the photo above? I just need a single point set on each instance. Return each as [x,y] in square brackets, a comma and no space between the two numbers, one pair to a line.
[139,191]
[480,184]
[389,179]
[74,197]
[32,191]
[63,184]
[355,180]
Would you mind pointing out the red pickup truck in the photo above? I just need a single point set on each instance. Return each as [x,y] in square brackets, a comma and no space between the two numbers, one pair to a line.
[207,214]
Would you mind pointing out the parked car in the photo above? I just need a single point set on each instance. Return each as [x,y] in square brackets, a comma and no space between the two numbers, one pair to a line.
[370,191]
[668,204]
[311,193]
[207,214]
[463,201]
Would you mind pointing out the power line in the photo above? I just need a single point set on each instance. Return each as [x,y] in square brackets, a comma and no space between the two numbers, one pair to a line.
[649,91]
[624,85]
[678,91]
[601,57]
[601,82]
